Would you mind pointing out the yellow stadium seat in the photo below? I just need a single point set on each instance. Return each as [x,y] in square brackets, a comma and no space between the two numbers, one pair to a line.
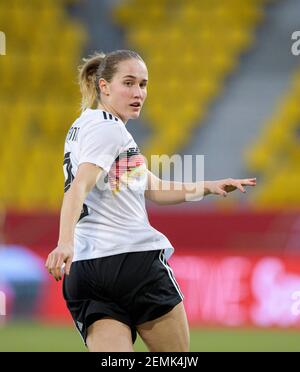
[185,56]
[38,98]
[277,154]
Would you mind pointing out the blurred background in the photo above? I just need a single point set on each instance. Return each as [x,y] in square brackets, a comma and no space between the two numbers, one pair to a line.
[224,82]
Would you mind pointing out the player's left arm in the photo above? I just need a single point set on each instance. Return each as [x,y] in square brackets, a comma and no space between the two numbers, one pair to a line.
[168,192]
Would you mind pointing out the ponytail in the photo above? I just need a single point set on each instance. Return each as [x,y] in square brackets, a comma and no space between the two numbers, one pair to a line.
[87,80]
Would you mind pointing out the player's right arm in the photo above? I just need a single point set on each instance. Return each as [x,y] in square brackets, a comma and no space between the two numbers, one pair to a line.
[85,179]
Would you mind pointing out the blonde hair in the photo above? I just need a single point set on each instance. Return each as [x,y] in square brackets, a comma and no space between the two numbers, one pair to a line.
[99,66]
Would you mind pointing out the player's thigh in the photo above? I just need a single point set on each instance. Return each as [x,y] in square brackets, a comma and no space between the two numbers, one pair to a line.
[109,335]
[169,332]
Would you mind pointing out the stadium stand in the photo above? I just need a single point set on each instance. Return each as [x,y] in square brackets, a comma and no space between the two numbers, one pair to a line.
[178,40]
[38,99]
[276,154]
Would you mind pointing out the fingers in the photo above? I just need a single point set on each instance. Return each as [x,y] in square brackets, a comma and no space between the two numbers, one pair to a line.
[57,270]
[231,185]
[49,263]
[223,187]
[248,182]
[54,264]
[239,186]
[68,266]
[220,191]
[244,182]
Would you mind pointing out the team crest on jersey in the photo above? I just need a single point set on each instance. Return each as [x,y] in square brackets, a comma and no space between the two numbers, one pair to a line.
[127,169]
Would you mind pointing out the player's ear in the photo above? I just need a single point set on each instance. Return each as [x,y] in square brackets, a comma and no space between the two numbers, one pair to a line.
[104,88]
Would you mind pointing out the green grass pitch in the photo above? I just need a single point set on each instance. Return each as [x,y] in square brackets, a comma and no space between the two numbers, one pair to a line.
[30,336]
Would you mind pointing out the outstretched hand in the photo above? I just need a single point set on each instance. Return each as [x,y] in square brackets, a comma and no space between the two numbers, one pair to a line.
[223,187]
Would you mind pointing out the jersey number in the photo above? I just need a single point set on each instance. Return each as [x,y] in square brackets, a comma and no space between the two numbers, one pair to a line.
[69,179]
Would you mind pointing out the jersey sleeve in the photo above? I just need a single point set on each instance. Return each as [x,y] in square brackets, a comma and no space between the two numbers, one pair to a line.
[101,144]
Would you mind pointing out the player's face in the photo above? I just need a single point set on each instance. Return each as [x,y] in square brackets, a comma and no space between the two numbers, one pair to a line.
[128,89]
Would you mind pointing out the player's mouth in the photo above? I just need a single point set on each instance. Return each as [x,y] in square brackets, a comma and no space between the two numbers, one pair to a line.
[136,105]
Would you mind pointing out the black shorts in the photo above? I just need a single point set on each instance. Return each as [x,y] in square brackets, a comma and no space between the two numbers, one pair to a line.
[132,288]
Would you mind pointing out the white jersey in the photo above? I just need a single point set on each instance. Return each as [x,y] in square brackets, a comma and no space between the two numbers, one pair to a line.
[114,218]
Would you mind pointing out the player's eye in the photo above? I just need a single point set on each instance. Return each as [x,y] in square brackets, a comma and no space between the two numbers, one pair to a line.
[128,83]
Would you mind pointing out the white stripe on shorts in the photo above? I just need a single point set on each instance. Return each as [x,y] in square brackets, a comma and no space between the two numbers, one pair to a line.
[163,260]
[77,329]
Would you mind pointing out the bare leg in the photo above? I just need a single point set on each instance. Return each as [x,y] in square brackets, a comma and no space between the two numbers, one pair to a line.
[169,332]
[109,335]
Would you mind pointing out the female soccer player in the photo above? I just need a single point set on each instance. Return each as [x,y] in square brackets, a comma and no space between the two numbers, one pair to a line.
[120,282]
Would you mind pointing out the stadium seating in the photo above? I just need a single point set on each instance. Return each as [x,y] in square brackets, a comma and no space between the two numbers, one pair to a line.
[188,62]
[38,99]
[190,48]
[276,154]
